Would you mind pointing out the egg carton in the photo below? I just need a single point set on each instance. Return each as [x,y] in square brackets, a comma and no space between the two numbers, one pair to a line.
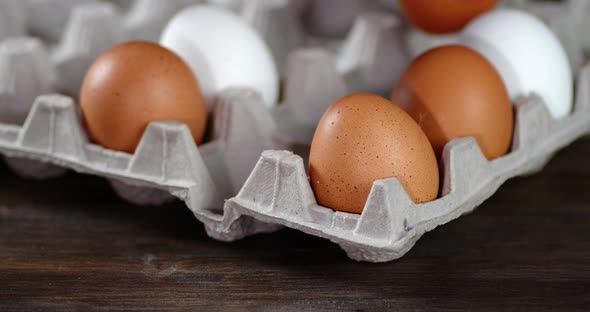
[316,79]
[276,193]
[167,163]
[278,190]
[312,84]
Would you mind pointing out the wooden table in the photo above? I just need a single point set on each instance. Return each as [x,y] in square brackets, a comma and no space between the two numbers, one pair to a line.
[71,243]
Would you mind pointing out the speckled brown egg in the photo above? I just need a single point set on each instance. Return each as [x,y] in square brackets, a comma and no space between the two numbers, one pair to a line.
[362,138]
[452,92]
[135,83]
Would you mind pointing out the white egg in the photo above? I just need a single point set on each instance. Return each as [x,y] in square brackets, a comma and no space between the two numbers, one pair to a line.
[223,51]
[528,56]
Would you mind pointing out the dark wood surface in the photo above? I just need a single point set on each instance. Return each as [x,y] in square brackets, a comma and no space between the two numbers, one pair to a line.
[71,244]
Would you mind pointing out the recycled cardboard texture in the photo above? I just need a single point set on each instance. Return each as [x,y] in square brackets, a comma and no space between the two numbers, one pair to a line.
[277,192]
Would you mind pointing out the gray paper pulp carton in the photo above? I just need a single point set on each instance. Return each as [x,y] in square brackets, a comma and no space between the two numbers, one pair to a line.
[255,152]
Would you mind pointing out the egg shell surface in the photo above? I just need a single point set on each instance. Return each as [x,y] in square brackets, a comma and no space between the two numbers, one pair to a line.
[133,84]
[362,138]
[527,54]
[223,51]
[452,92]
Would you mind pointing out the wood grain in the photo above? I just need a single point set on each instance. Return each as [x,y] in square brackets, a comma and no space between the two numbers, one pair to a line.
[71,244]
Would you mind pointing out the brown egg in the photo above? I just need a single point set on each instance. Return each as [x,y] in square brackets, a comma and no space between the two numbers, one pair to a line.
[135,83]
[444,16]
[453,92]
[362,138]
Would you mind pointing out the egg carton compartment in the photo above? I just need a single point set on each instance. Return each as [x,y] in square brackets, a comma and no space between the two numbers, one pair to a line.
[166,159]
